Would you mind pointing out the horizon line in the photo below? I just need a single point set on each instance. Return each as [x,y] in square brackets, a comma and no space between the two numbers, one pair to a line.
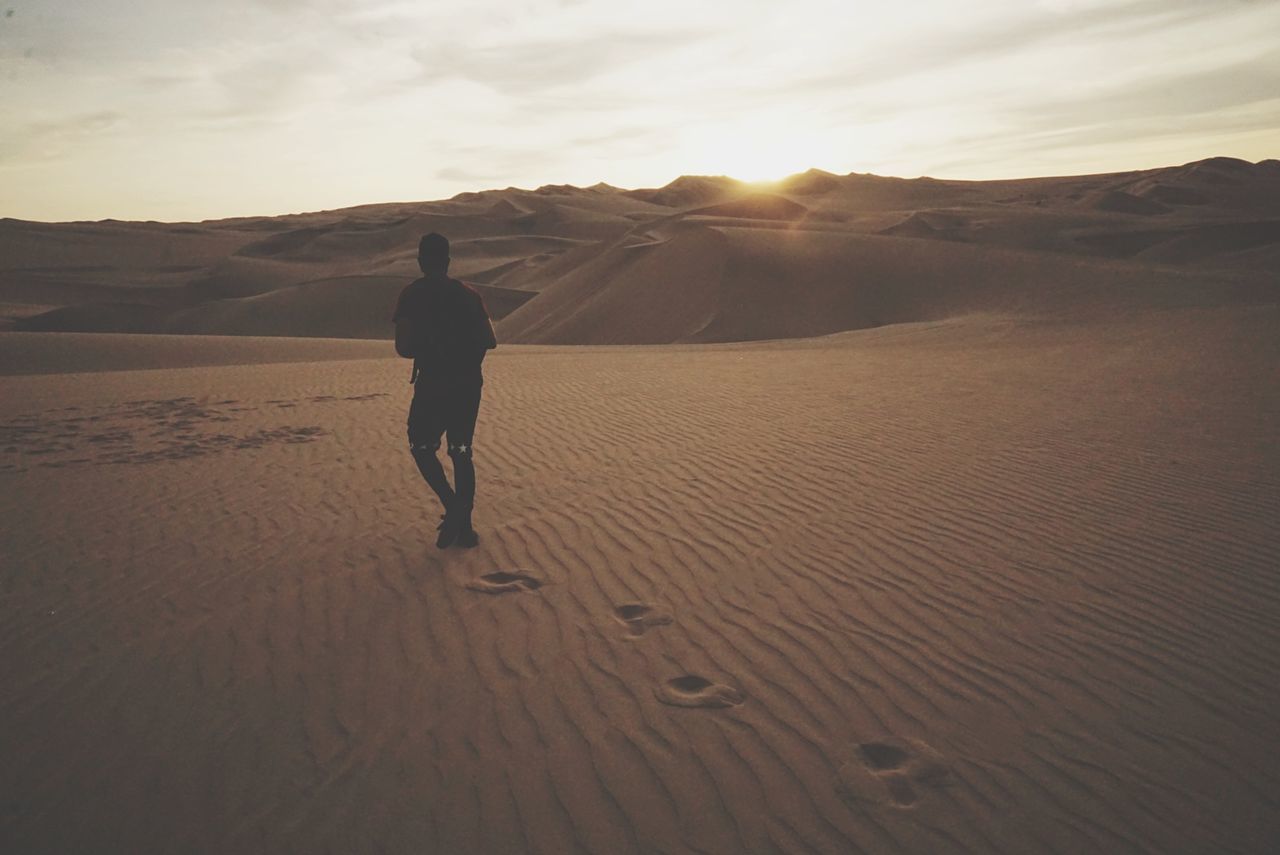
[746,183]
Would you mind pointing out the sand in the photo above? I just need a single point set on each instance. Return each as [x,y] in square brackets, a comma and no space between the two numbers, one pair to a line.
[846,514]
[985,584]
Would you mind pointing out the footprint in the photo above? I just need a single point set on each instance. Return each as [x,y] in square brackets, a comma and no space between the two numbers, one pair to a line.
[893,772]
[504,583]
[900,790]
[694,691]
[883,755]
[640,617]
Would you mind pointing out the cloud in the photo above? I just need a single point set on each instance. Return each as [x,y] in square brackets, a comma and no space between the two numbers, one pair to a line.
[50,140]
[458,174]
[271,83]
[1175,96]
[1020,30]
[543,65]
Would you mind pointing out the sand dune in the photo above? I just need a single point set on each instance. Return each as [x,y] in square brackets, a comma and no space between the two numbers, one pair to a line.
[1214,242]
[23,353]
[343,307]
[755,206]
[689,191]
[735,284]
[1125,203]
[990,584]
[1219,214]
[115,317]
[111,245]
[813,182]
[927,224]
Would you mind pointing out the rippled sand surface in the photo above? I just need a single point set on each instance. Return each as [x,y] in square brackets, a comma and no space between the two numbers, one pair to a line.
[983,585]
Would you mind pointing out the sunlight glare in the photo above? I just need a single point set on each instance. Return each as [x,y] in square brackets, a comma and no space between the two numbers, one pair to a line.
[755,150]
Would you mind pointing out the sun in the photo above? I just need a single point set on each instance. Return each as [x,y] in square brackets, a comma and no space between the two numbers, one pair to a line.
[758,152]
[760,162]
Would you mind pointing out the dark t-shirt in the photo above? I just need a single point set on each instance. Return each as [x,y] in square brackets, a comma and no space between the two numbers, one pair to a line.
[450,328]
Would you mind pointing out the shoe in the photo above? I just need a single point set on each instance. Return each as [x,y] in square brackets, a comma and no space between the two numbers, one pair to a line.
[466,538]
[448,533]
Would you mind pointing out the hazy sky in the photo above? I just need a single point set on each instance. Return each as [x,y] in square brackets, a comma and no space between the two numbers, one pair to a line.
[177,109]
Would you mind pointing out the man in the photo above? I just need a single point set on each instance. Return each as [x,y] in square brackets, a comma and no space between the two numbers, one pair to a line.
[442,324]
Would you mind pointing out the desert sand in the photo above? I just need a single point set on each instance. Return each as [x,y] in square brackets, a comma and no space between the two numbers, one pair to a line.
[853,514]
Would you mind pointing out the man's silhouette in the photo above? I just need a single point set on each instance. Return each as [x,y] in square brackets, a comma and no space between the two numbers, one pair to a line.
[443,325]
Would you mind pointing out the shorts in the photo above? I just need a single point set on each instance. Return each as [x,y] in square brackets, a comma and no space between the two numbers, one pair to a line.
[449,410]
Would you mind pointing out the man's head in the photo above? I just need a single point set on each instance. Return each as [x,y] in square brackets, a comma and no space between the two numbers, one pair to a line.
[433,253]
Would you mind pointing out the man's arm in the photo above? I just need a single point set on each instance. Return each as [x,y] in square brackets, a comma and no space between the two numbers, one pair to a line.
[486,337]
[406,345]
[489,337]
[406,333]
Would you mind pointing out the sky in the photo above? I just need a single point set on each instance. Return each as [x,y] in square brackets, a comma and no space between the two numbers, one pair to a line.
[186,110]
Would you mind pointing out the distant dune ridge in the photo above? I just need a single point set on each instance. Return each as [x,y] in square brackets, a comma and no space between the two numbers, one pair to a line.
[563,264]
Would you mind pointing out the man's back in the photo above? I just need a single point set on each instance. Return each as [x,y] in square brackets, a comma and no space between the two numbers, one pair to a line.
[448,327]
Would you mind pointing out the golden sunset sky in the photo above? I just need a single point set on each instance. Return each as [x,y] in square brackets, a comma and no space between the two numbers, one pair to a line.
[178,110]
